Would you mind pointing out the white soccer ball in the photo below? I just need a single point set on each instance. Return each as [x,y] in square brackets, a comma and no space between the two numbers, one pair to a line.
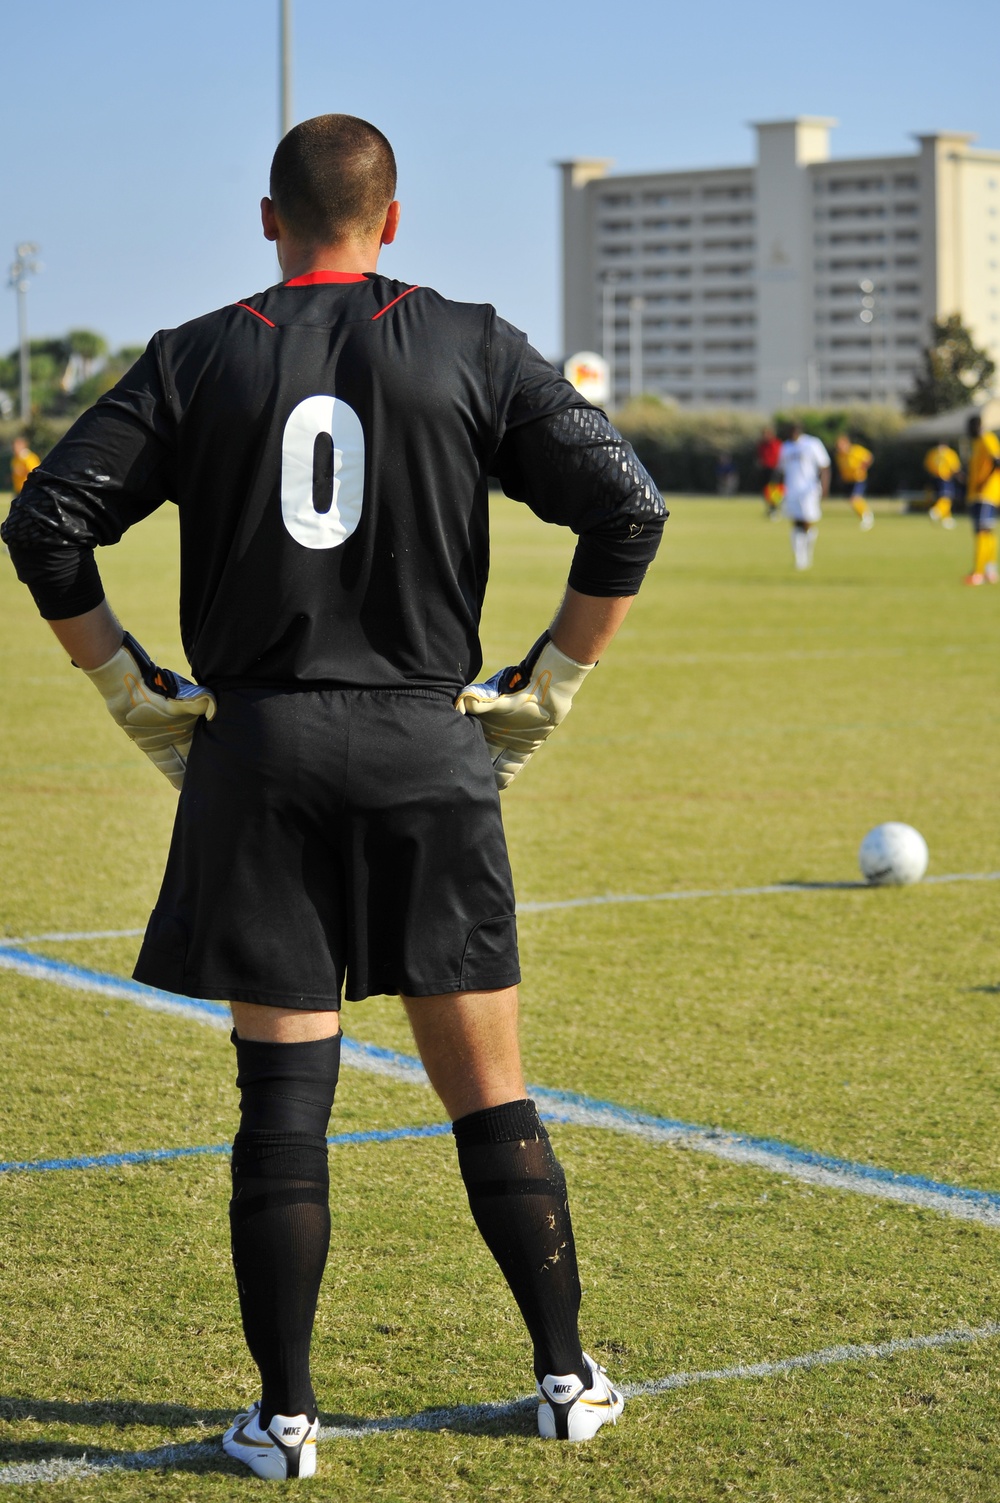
[893,855]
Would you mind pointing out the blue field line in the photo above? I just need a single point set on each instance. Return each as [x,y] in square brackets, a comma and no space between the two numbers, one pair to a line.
[578,1108]
[78,978]
[159,1155]
[571,1106]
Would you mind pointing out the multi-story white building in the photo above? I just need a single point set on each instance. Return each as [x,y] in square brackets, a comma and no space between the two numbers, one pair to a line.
[798,279]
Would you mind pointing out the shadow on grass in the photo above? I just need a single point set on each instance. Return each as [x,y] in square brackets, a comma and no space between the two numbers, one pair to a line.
[205,1453]
[120,1414]
[829,886]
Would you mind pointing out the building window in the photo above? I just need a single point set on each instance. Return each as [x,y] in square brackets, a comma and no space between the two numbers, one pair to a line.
[859,237]
[727,192]
[863,264]
[857,211]
[726,245]
[856,185]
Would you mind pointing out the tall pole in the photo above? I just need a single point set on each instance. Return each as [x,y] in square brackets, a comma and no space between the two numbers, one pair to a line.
[867,315]
[285,69]
[635,306]
[608,308]
[24,361]
[23,267]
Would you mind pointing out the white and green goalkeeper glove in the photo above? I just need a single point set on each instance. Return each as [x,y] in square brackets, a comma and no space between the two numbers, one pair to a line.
[156,708]
[520,706]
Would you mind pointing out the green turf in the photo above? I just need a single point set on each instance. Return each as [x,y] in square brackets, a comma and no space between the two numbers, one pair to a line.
[747,728]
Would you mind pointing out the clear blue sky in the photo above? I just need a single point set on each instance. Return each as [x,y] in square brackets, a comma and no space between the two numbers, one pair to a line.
[139,133]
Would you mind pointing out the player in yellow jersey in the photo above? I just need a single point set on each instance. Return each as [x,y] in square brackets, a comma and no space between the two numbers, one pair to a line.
[853,463]
[983,495]
[942,465]
[23,461]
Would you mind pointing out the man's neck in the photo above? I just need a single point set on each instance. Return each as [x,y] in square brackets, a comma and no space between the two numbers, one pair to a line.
[298,261]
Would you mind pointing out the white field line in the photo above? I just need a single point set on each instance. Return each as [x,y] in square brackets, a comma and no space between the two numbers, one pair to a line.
[471,1417]
[599,900]
[766,890]
[61,938]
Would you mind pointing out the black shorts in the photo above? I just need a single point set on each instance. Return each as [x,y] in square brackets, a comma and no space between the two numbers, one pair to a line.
[332,833]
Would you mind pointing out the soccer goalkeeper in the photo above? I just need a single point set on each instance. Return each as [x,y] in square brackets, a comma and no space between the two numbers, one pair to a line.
[328,443]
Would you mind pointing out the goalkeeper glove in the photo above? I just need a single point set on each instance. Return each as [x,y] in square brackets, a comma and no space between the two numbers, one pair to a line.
[519,707]
[157,709]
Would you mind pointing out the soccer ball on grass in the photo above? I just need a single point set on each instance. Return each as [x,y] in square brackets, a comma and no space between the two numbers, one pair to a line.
[893,855]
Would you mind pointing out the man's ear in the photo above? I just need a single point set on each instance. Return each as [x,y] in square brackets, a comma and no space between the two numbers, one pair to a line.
[269,220]
[391,223]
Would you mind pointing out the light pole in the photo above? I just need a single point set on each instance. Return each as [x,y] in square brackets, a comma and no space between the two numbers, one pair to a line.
[635,310]
[869,308]
[284,69]
[23,267]
[608,309]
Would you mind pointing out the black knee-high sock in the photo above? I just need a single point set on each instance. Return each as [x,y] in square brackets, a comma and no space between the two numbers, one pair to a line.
[517,1193]
[279,1213]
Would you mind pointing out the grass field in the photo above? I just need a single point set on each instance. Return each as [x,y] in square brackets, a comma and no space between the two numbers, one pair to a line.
[746,730]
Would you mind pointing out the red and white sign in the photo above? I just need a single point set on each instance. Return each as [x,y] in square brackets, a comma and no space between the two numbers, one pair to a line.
[590,375]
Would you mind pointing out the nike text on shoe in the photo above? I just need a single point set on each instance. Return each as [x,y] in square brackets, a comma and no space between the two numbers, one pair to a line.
[570,1411]
[287,1448]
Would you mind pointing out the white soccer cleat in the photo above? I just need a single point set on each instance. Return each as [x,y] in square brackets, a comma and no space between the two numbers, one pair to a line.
[287,1448]
[569,1411]
[867,521]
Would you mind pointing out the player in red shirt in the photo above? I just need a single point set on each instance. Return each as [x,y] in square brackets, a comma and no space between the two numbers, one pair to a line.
[768,457]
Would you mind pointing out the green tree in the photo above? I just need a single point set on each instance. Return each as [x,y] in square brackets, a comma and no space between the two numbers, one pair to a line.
[953,373]
[88,346]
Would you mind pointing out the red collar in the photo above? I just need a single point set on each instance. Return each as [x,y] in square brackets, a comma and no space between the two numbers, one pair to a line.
[311,278]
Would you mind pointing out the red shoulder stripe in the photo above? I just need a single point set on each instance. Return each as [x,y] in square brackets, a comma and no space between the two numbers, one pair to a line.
[257,315]
[395,301]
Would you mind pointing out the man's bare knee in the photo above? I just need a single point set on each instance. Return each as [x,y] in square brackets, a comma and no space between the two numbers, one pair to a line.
[469,1046]
[282,1025]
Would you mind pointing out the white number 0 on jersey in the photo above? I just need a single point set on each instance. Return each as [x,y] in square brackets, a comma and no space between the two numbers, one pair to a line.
[322,472]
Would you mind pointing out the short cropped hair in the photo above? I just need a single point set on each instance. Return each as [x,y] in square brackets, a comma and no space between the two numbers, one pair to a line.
[332,179]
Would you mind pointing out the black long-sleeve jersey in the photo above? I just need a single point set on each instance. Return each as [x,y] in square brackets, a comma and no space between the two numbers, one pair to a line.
[328,444]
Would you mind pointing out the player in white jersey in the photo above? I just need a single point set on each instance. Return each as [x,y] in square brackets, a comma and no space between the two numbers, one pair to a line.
[805,465]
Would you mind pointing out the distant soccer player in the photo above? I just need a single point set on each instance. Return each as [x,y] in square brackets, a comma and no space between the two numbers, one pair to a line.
[983,496]
[853,463]
[942,465]
[23,461]
[805,465]
[768,459]
[727,476]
